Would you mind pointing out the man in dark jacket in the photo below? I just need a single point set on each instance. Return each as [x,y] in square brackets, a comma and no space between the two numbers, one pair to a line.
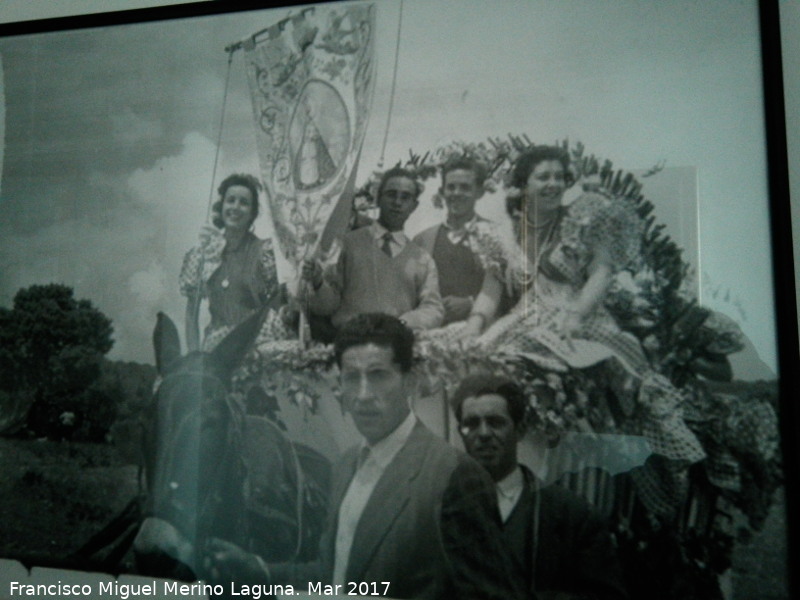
[408,512]
[564,548]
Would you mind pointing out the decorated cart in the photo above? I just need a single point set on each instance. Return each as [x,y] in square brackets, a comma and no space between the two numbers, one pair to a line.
[683,462]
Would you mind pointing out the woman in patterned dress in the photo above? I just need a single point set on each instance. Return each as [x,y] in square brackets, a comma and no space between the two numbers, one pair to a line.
[561,269]
[231,268]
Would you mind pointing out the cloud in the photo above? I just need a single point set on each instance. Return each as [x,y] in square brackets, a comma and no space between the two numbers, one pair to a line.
[148,286]
[174,194]
[127,259]
[176,190]
[91,258]
[129,128]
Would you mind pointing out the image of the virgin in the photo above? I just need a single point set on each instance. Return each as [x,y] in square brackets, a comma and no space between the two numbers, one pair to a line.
[319,136]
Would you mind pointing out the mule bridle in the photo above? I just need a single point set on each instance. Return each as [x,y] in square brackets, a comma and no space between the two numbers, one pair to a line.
[233,449]
[179,424]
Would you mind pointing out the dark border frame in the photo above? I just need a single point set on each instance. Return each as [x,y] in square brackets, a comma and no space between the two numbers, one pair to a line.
[784,286]
[142,15]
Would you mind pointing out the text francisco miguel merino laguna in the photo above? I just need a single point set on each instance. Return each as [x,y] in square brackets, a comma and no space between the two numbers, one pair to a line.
[124,591]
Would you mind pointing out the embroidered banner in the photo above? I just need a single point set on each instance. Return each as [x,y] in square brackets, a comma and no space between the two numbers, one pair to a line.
[311,78]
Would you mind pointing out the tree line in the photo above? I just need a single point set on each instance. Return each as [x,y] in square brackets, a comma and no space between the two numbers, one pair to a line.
[55,381]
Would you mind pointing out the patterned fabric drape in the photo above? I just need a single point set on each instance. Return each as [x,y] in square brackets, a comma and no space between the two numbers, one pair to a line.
[311,79]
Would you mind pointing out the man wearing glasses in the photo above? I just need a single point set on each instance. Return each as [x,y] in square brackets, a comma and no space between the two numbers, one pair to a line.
[562,546]
[378,269]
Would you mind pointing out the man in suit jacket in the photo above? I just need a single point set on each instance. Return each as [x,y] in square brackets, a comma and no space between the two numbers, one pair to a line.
[406,508]
[564,548]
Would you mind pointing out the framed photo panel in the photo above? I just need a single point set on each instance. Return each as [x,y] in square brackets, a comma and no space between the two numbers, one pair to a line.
[531,256]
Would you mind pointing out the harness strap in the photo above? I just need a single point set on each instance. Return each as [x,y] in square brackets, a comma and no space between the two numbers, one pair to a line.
[299,492]
[130,515]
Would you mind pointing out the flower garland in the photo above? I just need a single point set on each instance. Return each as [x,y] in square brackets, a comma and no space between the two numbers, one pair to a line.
[430,164]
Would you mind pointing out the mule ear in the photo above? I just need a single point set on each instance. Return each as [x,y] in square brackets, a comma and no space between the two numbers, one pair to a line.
[230,352]
[166,342]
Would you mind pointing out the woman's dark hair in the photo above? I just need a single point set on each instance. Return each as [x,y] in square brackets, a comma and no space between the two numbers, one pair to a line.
[243,179]
[483,384]
[399,172]
[525,165]
[379,329]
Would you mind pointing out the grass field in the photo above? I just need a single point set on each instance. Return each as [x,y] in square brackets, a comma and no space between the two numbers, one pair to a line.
[55,495]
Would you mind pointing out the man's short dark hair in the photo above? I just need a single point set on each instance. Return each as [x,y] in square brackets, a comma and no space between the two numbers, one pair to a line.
[379,329]
[399,172]
[464,163]
[483,384]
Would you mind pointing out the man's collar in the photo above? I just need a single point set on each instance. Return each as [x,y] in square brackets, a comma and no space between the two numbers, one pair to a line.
[378,231]
[383,451]
[511,483]
[468,226]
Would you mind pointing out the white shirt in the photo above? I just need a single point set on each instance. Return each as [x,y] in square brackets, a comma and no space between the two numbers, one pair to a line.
[457,235]
[361,487]
[398,238]
[509,489]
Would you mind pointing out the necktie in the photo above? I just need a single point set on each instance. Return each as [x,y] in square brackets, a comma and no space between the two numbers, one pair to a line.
[387,244]
[363,455]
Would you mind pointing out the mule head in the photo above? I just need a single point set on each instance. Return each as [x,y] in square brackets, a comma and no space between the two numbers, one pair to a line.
[223,360]
[193,466]
[166,343]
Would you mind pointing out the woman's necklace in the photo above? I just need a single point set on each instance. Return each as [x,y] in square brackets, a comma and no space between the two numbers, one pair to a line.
[542,229]
[534,236]
[540,223]
[231,247]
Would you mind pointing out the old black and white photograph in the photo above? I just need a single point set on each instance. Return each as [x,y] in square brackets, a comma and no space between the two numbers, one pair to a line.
[398,298]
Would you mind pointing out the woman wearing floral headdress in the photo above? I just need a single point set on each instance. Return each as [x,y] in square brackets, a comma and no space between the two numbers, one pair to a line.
[231,267]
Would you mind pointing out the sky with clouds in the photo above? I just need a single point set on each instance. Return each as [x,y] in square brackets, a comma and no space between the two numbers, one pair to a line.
[111,133]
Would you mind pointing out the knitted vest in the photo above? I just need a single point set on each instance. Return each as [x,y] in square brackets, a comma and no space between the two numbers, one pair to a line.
[460,271]
[375,282]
